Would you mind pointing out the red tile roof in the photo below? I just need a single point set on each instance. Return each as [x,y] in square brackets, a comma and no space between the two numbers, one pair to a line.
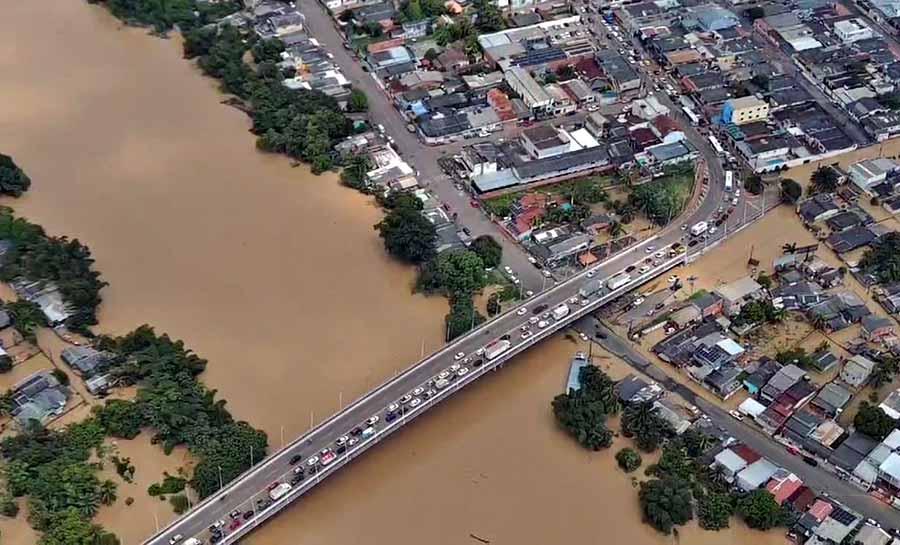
[820,509]
[783,488]
[748,454]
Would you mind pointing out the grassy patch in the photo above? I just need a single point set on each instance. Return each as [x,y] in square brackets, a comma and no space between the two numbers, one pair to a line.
[501,206]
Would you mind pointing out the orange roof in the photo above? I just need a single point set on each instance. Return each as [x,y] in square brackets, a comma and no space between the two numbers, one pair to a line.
[533,200]
[783,488]
[587,258]
[820,509]
[385,45]
[526,219]
[453,7]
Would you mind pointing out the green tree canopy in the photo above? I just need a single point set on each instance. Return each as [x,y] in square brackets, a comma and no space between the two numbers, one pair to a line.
[358,102]
[714,509]
[666,503]
[459,273]
[883,259]
[13,181]
[760,510]
[873,421]
[628,459]
[407,234]
[790,191]
[488,249]
[823,180]
[462,317]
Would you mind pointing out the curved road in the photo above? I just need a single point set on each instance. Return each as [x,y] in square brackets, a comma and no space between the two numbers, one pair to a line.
[246,495]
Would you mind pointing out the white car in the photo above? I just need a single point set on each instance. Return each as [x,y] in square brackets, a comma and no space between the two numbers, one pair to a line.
[528,293]
[526,334]
[734,201]
[533,320]
[454,367]
[736,415]
[459,356]
[175,539]
[543,323]
[393,407]
[480,351]
[673,279]
[712,230]
[583,337]
[644,269]
[585,302]
[546,273]
[521,311]
[368,432]
[532,260]
[638,301]
[312,461]
[416,401]
[443,375]
[590,274]
[372,420]
[649,249]
[353,441]
[461,373]
[508,270]
[659,254]
[737,192]
[514,280]
[342,440]
[418,391]
[573,300]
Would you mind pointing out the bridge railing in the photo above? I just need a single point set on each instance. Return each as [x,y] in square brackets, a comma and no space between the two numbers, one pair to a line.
[490,365]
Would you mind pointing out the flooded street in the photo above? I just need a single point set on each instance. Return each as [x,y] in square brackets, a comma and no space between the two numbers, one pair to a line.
[277,277]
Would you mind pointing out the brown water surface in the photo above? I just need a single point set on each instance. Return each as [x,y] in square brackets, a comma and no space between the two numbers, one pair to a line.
[277,278]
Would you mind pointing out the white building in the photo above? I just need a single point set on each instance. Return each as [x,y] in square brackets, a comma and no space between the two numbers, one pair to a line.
[533,95]
[852,30]
[871,172]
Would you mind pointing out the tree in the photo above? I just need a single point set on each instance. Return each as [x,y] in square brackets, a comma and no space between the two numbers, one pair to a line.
[407,235]
[358,102]
[628,459]
[121,418]
[666,503]
[714,509]
[754,184]
[790,191]
[489,250]
[616,229]
[431,54]
[355,170]
[198,41]
[760,510]
[873,421]
[27,317]
[72,528]
[462,317]
[823,180]
[883,259]
[764,280]
[179,503]
[696,443]
[884,372]
[267,50]
[108,492]
[643,422]
[583,419]
[458,273]
[13,180]
[6,364]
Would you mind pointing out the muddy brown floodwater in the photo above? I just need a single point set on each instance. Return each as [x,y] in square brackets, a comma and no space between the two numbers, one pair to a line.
[277,278]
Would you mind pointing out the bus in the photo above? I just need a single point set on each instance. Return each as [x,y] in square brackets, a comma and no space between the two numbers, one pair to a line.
[729,180]
[716,145]
[695,119]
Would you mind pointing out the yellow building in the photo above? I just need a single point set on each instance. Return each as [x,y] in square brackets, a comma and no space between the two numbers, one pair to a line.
[741,111]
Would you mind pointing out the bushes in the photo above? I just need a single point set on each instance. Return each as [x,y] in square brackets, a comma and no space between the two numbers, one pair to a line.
[179,503]
[489,250]
[582,413]
[121,418]
[407,234]
[760,510]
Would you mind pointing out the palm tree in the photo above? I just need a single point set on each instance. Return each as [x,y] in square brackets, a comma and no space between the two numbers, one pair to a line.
[717,477]
[108,492]
[789,248]
[616,230]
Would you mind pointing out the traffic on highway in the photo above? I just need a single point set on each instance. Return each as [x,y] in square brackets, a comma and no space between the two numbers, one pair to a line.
[290,472]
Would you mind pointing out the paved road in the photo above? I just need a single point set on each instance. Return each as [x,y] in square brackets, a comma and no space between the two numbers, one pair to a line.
[244,494]
[422,158]
[817,478]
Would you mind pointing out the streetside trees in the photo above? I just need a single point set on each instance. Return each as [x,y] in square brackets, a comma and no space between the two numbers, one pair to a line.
[407,234]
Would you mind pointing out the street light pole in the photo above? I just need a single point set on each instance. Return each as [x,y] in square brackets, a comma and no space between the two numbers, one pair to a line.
[221,484]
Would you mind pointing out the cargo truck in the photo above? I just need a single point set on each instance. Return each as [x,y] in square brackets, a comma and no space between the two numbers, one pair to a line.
[699,228]
[618,281]
[495,349]
[561,311]
[279,491]
[590,288]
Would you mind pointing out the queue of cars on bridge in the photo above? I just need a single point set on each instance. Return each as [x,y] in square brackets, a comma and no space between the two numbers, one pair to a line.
[305,467]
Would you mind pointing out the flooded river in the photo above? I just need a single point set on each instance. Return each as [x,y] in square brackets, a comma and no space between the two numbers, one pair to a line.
[277,277]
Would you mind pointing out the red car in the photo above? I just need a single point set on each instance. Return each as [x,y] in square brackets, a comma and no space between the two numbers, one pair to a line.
[235,524]
[792,450]
[474,203]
